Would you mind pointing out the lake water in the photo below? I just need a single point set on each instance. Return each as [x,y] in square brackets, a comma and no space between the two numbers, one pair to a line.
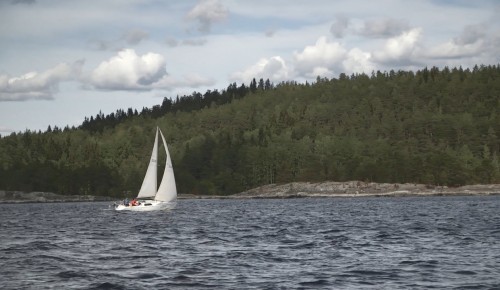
[341,243]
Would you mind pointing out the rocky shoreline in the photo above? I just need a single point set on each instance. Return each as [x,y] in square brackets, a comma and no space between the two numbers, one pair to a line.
[356,189]
[289,190]
[360,189]
[34,197]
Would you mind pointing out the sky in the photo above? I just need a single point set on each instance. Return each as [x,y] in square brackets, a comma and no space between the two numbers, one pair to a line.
[62,61]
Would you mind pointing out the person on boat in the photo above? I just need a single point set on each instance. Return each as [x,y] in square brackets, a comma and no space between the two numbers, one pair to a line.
[125,202]
[134,202]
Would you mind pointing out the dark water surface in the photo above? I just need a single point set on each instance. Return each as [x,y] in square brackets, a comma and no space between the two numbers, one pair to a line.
[358,243]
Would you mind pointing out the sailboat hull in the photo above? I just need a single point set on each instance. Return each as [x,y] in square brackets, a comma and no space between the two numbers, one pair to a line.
[147,205]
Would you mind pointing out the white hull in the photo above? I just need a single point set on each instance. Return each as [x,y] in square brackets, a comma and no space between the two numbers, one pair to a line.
[147,205]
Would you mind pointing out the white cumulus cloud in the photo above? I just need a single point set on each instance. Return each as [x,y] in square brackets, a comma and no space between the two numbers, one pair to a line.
[274,69]
[358,61]
[323,58]
[34,85]
[402,49]
[129,71]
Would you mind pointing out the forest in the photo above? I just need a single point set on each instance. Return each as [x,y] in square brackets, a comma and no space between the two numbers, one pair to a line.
[432,126]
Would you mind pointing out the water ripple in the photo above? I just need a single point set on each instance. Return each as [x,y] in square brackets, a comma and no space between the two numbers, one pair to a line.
[362,243]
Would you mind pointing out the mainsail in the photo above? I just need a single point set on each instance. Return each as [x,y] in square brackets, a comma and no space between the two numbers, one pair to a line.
[148,188]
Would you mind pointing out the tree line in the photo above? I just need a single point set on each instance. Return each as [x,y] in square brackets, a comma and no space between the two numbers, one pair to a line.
[433,126]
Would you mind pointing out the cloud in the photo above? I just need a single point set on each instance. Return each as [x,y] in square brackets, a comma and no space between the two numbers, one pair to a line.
[383,28]
[196,80]
[194,42]
[26,2]
[452,50]
[206,13]
[191,80]
[135,36]
[401,50]
[471,42]
[38,86]
[322,58]
[4,129]
[129,71]
[97,44]
[274,69]
[171,42]
[128,38]
[358,61]
[339,27]
[325,58]
[269,32]
[471,34]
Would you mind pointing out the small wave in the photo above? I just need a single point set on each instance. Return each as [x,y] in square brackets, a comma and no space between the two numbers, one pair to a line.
[200,232]
[183,285]
[40,245]
[305,245]
[127,256]
[71,274]
[465,272]
[410,262]
[477,286]
[181,277]
[337,240]
[384,236]
[49,257]
[146,276]
[122,248]
[256,227]
[319,282]
[330,231]
[205,242]
[283,230]
[421,263]
[289,241]
[236,254]
[106,286]
[137,257]
[192,271]
[219,239]
[110,257]
[368,273]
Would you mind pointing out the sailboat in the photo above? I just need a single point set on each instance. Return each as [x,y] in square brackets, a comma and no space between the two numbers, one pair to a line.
[150,196]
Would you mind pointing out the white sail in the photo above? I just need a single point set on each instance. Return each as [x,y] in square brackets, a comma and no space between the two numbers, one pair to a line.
[162,199]
[167,190]
[148,188]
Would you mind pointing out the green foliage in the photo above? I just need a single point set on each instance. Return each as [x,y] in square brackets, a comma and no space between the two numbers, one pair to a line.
[431,126]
